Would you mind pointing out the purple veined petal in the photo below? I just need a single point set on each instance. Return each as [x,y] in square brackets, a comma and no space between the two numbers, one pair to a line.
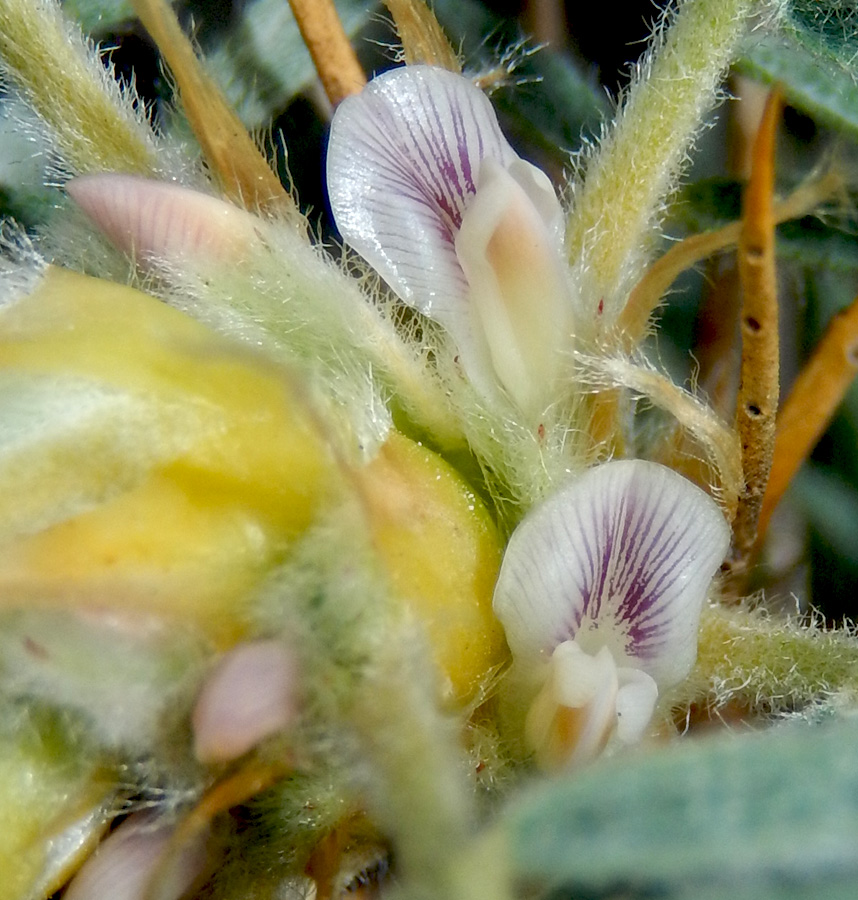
[403,162]
[151,220]
[509,250]
[621,558]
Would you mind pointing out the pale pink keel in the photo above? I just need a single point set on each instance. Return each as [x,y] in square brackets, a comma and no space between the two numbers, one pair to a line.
[250,695]
[125,864]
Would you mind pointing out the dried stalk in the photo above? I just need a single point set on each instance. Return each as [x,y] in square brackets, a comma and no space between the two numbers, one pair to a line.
[647,294]
[422,38]
[758,391]
[233,790]
[811,403]
[242,170]
[333,56]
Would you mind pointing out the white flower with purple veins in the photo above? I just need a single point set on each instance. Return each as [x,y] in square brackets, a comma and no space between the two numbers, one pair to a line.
[426,188]
[600,593]
[602,587]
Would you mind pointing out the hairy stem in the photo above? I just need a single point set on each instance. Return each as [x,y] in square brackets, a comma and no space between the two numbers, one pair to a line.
[636,164]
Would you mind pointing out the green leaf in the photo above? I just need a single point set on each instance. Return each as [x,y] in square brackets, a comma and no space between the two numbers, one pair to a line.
[828,24]
[553,108]
[546,103]
[765,815]
[814,244]
[830,505]
[707,204]
[714,202]
[814,82]
[100,16]
[261,62]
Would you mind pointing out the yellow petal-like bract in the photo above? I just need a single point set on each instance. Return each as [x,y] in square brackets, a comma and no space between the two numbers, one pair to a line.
[56,804]
[442,553]
[235,469]
[195,532]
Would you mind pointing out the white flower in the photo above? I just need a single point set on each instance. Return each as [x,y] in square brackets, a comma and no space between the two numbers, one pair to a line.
[600,593]
[425,187]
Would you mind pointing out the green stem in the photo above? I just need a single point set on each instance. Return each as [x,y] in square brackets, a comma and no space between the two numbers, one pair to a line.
[420,795]
[617,205]
[62,77]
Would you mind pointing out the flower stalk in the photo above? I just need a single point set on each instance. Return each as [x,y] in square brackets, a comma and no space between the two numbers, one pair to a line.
[335,59]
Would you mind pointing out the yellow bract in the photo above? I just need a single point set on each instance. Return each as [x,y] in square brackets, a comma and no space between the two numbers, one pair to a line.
[241,472]
[442,553]
[158,551]
[55,807]
[195,532]
[250,435]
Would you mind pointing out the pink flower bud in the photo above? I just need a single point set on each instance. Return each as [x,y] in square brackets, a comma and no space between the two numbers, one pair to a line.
[249,696]
[152,220]
[125,863]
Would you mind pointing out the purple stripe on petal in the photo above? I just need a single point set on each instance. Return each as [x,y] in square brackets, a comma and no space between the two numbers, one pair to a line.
[638,594]
[621,557]
[402,164]
[651,558]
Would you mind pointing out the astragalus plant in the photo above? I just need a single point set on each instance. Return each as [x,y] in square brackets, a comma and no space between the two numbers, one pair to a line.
[360,571]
